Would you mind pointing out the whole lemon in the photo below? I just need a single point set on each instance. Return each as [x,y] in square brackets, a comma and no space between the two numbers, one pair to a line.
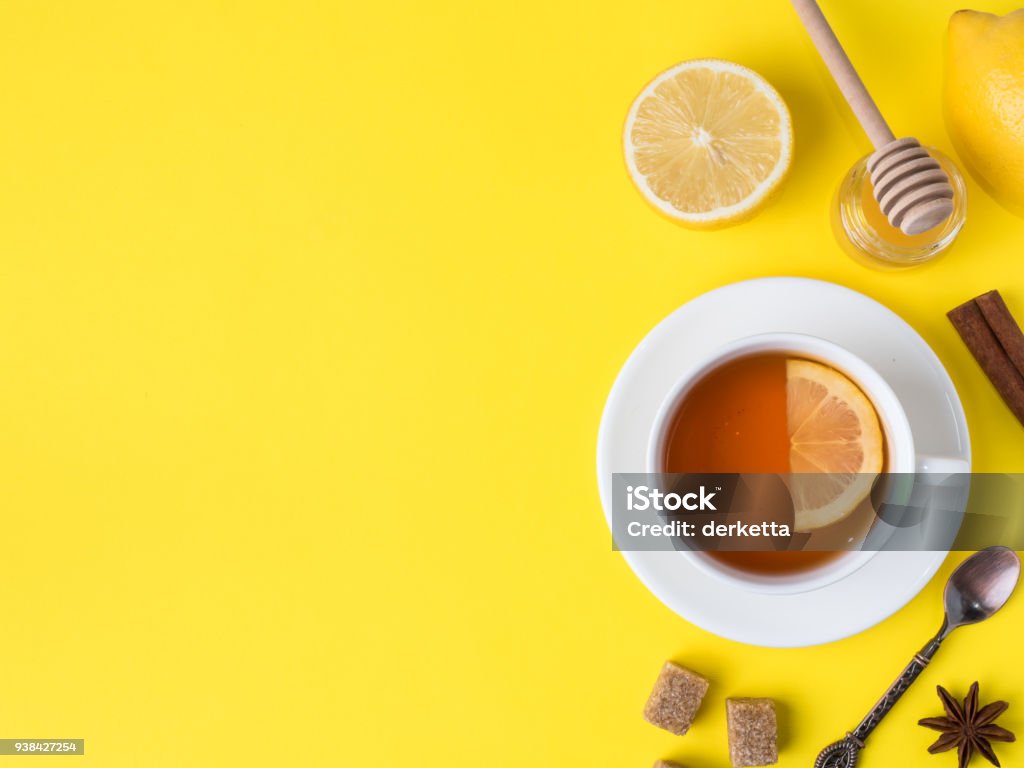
[984,100]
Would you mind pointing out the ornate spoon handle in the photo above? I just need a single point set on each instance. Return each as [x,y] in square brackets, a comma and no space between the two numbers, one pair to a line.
[843,753]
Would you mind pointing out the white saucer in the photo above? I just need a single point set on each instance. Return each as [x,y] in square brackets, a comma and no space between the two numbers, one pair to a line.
[797,305]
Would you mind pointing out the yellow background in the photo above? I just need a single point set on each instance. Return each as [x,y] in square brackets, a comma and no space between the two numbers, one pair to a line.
[308,312]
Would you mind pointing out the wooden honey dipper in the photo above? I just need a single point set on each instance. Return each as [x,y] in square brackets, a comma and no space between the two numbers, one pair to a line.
[910,186]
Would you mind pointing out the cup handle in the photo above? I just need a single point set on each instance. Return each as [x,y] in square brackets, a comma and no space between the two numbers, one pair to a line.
[938,468]
[908,522]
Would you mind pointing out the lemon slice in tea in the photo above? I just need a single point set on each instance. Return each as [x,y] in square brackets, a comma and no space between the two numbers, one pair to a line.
[835,444]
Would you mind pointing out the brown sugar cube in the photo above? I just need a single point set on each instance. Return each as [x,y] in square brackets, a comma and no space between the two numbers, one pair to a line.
[675,699]
[752,732]
[666,764]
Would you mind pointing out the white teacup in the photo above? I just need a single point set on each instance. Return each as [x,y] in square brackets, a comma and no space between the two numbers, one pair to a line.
[901,455]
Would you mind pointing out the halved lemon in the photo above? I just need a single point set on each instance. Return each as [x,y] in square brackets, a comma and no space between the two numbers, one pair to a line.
[708,141]
[835,438]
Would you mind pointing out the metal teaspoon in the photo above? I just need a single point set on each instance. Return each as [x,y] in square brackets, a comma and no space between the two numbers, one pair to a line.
[978,588]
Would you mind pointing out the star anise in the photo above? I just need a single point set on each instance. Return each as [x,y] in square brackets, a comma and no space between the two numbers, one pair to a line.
[967,727]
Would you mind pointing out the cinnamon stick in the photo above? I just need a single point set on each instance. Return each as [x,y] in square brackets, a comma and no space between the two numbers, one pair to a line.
[1005,328]
[988,347]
